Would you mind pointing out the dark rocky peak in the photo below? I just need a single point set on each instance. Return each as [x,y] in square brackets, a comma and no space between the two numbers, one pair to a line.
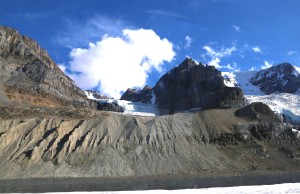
[283,78]
[188,86]
[138,95]
[193,85]
[187,63]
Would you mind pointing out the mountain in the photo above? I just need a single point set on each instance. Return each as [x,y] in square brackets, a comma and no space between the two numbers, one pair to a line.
[277,86]
[30,77]
[190,85]
[283,78]
[49,127]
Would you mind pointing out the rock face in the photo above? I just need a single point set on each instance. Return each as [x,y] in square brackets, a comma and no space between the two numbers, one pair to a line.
[283,78]
[110,144]
[109,106]
[190,85]
[29,76]
[135,95]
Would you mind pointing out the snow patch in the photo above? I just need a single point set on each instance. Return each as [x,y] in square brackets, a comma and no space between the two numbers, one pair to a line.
[229,79]
[138,108]
[296,132]
[297,71]
[242,80]
[134,108]
[89,95]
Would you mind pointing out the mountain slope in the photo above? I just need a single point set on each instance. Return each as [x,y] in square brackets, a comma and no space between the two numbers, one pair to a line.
[111,144]
[29,76]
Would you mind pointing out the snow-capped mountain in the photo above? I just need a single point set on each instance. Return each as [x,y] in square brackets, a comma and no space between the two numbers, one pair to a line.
[283,78]
[277,86]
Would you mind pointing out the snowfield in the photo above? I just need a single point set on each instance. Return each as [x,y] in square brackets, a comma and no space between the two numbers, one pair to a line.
[137,108]
[131,108]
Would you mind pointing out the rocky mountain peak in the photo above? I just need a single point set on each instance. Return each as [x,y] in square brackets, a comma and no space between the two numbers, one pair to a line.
[187,63]
[189,85]
[283,78]
[16,46]
[30,76]
[136,95]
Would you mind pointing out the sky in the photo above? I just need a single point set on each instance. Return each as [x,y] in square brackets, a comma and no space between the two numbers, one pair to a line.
[112,45]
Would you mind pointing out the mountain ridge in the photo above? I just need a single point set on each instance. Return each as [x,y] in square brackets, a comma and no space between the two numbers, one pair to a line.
[64,135]
[189,85]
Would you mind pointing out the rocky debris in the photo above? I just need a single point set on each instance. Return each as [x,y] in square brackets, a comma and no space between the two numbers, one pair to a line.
[109,106]
[111,144]
[136,95]
[283,78]
[190,85]
[30,77]
[258,111]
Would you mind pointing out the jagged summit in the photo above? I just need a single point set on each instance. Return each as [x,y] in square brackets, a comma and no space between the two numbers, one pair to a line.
[280,78]
[191,85]
[188,62]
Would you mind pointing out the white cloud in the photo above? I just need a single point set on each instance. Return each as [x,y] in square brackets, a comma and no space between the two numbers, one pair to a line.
[266,65]
[217,55]
[120,62]
[252,69]
[290,53]
[188,42]
[215,62]
[236,28]
[256,49]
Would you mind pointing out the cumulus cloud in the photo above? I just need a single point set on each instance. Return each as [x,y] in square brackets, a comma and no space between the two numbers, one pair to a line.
[188,42]
[216,56]
[114,64]
[266,65]
[256,49]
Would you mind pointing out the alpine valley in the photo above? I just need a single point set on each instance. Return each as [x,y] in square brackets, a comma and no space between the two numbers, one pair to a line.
[195,120]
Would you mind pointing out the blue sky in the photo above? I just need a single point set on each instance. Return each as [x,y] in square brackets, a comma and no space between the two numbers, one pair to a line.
[110,45]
